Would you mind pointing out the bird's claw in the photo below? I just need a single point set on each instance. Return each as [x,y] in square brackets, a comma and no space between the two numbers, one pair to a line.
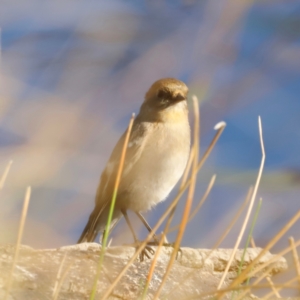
[167,245]
[147,251]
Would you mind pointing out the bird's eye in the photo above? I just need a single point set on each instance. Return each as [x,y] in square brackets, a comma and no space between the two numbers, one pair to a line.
[162,94]
[179,97]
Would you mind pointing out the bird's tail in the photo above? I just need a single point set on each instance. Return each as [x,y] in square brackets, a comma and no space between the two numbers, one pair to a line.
[97,222]
[89,232]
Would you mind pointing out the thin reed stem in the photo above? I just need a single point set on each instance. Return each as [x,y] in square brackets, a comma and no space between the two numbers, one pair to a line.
[112,206]
[58,278]
[248,272]
[201,202]
[20,234]
[61,281]
[220,129]
[250,206]
[295,257]
[276,288]
[265,265]
[275,291]
[250,235]
[5,173]
[163,235]
[189,198]
[218,242]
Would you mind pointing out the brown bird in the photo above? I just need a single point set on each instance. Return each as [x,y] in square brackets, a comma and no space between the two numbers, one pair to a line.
[157,154]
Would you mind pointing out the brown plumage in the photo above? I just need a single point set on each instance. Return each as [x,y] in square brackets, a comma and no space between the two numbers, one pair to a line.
[156,157]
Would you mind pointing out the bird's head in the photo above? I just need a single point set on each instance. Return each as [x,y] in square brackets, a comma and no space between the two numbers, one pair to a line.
[166,98]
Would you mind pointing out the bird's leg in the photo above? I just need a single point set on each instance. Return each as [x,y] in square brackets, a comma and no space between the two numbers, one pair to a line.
[144,221]
[124,212]
[147,249]
[156,241]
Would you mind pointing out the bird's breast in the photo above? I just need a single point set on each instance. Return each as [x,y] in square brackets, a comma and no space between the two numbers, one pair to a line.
[160,166]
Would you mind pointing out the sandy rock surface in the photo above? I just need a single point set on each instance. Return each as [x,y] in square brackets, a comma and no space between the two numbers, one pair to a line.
[193,275]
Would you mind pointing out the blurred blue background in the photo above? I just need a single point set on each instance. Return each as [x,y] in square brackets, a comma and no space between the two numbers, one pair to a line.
[72,72]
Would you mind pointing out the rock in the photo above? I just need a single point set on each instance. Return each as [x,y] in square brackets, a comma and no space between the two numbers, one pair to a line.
[192,274]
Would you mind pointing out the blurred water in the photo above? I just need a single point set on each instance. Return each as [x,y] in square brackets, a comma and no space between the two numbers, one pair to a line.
[73,72]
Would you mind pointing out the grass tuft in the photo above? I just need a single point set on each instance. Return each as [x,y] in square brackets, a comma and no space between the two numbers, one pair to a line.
[112,206]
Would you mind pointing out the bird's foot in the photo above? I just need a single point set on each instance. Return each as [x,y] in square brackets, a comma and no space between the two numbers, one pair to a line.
[155,243]
[146,252]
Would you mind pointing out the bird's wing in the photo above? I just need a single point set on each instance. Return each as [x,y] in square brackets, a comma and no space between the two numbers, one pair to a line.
[140,132]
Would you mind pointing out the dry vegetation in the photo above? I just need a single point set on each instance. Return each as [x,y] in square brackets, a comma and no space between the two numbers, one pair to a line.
[240,286]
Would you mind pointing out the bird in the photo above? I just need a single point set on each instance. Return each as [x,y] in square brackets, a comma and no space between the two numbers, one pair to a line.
[156,157]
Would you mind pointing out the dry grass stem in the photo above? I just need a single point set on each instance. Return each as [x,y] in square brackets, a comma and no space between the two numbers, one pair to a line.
[4,175]
[253,245]
[123,154]
[268,247]
[109,242]
[163,235]
[274,258]
[190,274]
[220,128]
[164,216]
[143,244]
[279,287]
[183,182]
[187,169]
[117,182]
[201,202]
[249,208]
[264,274]
[58,276]
[295,256]
[234,219]
[61,281]
[219,241]
[189,200]
[20,234]
[275,291]
[153,264]
[245,288]
[268,266]
[248,272]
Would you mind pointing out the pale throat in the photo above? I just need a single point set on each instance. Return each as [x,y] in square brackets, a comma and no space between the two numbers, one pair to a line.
[176,113]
